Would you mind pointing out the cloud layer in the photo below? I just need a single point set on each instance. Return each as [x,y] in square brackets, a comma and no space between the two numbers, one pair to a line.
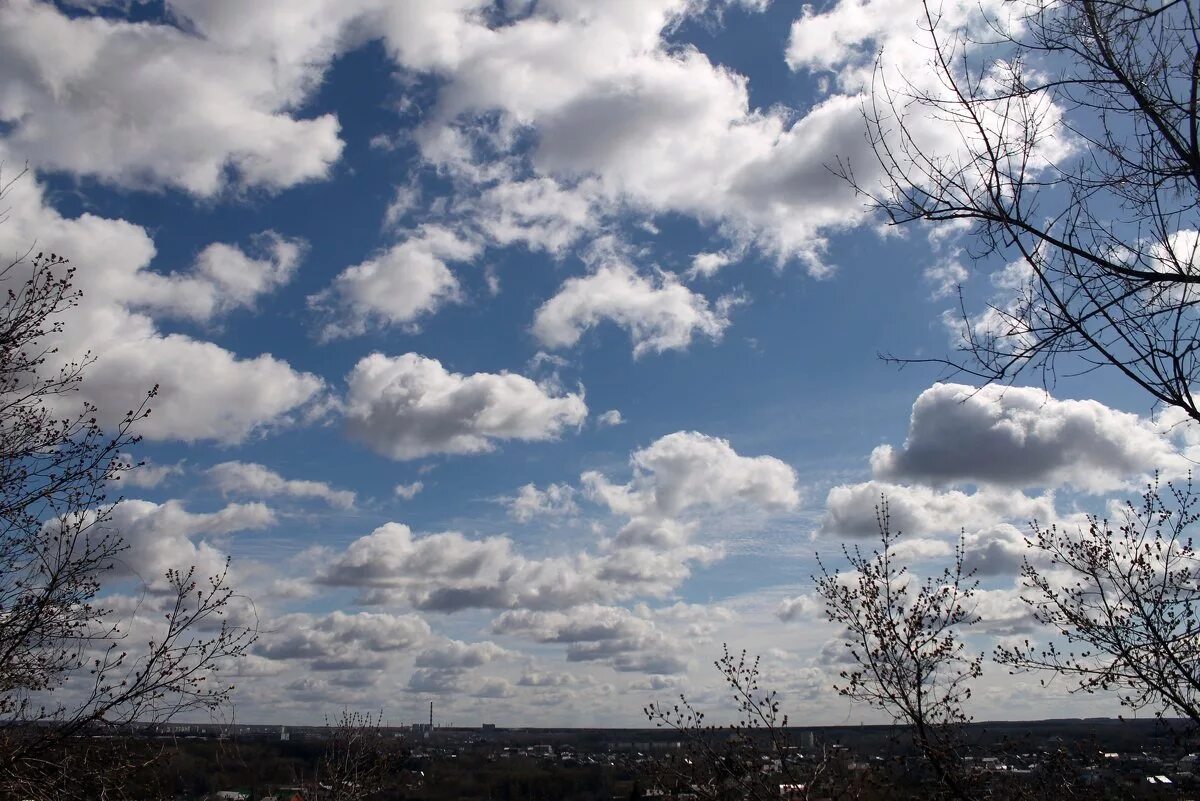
[1023,437]
[409,406]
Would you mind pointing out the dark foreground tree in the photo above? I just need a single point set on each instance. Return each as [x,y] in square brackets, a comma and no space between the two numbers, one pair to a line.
[1074,154]
[753,759]
[68,667]
[904,640]
[356,761]
[1120,604]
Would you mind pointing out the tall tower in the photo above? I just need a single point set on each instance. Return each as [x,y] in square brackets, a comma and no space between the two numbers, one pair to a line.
[431,715]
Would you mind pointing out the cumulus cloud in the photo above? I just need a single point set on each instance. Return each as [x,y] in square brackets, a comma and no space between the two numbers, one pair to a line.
[407,281]
[1023,437]
[598,633]
[1002,612]
[801,608]
[993,522]
[449,572]
[409,406]
[408,491]
[659,313]
[222,278]
[205,391]
[687,469]
[147,474]
[456,654]
[391,557]
[531,502]
[1003,441]
[494,687]
[625,117]
[706,265]
[153,105]
[434,680]
[656,683]
[946,276]
[538,213]
[610,418]
[340,640]
[166,536]
[538,679]
[568,600]
[922,511]
[997,550]
[247,478]
[673,478]
[659,126]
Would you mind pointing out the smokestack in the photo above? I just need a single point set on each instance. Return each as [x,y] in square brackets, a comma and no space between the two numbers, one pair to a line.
[431,715]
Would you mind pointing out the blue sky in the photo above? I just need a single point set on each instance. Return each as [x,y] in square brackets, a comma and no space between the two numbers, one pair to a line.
[522,354]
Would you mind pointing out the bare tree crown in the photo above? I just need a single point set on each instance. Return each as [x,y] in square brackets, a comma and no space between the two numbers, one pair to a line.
[1070,142]
[67,665]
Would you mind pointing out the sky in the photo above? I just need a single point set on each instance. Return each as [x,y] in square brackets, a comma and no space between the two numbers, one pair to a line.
[520,354]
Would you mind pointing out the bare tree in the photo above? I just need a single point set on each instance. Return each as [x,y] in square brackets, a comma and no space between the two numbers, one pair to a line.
[905,645]
[1124,602]
[356,760]
[67,665]
[1074,152]
[753,759]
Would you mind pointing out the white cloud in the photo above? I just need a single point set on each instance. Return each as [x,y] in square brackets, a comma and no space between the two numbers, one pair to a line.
[539,679]
[993,522]
[946,275]
[675,477]
[391,558]
[244,478]
[599,633]
[166,536]
[448,572]
[687,469]
[531,502]
[659,313]
[339,641]
[408,491]
[409,406]
[206,392]
[801,608]
[222,278]
[1023,437]
[494,688]
[406,199]
[658,126]
[152,105]
[147,474]
[706,265]
[1003,612]
[397,287]
[456,654]
[846,37]
[538,213]
[651,554]
[923,511]
[623,117]
[610,418]
[240,279]
[999,549]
